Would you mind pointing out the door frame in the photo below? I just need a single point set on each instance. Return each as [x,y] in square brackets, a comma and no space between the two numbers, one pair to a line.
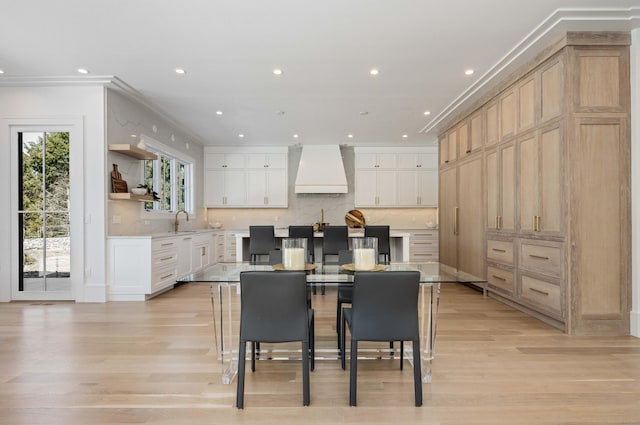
[9,265]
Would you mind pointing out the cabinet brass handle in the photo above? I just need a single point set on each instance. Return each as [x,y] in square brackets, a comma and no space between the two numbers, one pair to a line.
[455,220]
[498,250]
[497,222]
[500,221]
[166,276]
[166,258]
[538,223]
[539,291]
[167,244]
[468,151]
[539,257]
[203,251]
[423,243]
[498,277]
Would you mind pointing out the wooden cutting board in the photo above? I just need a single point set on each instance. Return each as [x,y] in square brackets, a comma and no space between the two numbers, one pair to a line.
[117,184]
[355,219]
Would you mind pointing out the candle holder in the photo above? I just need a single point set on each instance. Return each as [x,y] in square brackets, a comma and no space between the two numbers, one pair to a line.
[294,252]
[365,253]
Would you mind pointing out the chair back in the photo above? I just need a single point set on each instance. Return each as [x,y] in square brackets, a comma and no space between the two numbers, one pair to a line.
[307,233]
[261,240]
[345,256]
[274,306]
[385,305]
[382,233]
[336,238]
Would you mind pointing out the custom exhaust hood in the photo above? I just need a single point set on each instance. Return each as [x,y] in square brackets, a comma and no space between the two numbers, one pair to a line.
[321,170]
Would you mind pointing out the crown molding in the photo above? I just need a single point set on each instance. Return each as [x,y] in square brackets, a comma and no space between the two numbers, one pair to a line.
[550,30]
[107,81]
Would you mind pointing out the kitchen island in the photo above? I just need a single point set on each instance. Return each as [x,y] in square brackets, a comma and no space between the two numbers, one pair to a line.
[398,241]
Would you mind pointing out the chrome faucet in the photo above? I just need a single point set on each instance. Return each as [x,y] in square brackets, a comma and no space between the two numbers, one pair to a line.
[176,224]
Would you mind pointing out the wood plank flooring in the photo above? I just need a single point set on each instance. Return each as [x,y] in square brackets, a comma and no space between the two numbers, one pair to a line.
[154,363]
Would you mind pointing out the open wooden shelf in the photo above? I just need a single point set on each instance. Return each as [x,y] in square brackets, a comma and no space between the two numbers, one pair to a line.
[132,151]
[126,196]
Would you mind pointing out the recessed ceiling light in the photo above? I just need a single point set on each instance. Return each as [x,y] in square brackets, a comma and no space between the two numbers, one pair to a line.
[364,113]
[469,72]
[295,136]
[374,71]
[350,136]
[180,71]
[83,70]
[241,135]
[134,135]
[1,71]
[404,136]
[279,112]
[218,112]
[427,113]
[278,71]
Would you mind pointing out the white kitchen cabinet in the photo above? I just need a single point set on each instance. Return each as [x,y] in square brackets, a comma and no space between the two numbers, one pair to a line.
[267,185]
[375,188]
[246,177]
[140,267]
[201,252]
[396,177]
[185,245]
[423,245]
[225,188]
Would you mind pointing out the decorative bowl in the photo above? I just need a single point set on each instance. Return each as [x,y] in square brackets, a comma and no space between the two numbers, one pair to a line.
[139,190]
[216,225]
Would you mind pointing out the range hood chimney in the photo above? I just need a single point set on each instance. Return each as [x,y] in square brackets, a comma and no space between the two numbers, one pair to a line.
[321,170]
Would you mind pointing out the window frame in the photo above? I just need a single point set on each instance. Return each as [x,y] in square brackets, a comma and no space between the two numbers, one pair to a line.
[176,159]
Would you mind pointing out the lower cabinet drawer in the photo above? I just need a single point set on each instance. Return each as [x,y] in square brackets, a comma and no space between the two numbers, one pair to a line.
[424,256]
[544,259]
[161,278]
[542,293]
[500,279]
[501,251]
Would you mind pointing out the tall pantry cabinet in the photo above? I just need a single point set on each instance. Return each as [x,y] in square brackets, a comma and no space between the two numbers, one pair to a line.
[555,205]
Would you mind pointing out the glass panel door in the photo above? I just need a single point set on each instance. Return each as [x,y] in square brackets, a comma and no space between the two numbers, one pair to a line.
[43,214]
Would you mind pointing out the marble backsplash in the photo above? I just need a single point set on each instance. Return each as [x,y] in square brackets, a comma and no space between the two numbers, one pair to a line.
[334,212]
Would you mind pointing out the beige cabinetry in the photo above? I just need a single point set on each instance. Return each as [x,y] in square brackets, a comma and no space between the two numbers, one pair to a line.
[540,177]
[423,245]
[396,177]
[556,197]
[246,177]
[461,230]
[500,166]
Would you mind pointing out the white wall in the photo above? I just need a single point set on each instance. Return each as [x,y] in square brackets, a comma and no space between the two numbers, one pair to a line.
[20,104]
[126,117]
[635,181]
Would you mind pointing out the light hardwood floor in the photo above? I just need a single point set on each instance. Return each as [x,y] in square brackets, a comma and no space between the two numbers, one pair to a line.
[153,363]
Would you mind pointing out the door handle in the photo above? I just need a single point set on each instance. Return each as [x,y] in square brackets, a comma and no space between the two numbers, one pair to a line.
[455,220]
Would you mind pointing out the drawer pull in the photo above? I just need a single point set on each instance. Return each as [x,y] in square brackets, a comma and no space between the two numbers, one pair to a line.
[166,258]
[423,243]
[539,291]
[498,277]
[498,250]
[166,276]
[539,257]
[167,244]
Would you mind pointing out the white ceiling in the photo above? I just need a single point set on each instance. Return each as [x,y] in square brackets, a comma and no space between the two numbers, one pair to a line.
[325,48]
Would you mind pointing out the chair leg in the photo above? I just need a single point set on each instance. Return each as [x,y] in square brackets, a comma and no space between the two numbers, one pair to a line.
[353,376]
[312,343]
[241,367]
[401,355]
[305,373]
[253,354]
[343,351]
[417,372]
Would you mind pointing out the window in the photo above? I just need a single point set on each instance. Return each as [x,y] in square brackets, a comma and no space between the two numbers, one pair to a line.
[169,176]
